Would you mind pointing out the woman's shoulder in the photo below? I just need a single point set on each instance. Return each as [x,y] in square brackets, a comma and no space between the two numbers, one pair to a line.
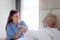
[9,24]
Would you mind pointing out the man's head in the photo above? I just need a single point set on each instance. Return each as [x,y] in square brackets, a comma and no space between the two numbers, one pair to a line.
[49,20]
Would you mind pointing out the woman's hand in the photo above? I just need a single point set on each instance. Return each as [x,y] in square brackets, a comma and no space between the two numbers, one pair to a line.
[19,29]
[23,29]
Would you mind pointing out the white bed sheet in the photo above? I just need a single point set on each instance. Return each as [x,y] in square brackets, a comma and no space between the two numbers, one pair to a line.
[37,35]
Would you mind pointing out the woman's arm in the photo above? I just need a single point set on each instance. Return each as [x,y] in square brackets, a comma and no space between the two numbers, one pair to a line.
[15,36]
[23,24]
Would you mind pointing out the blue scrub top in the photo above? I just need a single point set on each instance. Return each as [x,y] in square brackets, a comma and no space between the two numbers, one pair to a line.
[12,29]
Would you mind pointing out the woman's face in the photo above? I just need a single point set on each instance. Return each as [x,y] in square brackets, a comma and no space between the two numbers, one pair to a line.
[15,17]
[49,21]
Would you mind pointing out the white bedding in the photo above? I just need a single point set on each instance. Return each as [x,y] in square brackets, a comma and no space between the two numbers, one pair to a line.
[30,35]
[43,34]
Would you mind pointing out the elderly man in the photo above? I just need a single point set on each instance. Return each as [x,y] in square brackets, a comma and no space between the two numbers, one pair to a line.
[49,32]
[46,33]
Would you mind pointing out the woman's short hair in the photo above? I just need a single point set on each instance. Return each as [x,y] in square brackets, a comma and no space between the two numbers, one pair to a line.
[51,15]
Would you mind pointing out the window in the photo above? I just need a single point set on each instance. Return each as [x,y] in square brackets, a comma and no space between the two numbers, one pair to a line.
[30,13]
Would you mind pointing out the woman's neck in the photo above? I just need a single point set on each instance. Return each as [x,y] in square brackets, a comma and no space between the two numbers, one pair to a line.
[15,23]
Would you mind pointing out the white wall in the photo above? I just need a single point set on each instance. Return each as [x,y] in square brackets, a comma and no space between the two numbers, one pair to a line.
[49,4]
[5,7]
[30,13]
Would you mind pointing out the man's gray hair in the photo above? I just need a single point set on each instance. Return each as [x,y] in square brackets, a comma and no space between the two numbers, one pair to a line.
[53,16]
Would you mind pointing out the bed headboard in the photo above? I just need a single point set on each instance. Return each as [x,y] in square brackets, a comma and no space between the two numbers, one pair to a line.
[57,14]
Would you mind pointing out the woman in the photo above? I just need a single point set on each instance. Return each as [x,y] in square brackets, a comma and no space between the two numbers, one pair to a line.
[15,29]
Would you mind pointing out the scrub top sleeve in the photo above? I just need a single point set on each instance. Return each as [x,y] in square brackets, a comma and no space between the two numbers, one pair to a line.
[24,24]
[9,30]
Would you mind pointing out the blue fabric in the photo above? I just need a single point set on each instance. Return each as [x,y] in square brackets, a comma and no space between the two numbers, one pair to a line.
[12,29]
